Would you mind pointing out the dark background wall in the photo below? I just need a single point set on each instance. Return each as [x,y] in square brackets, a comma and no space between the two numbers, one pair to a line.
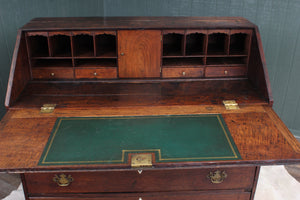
[278,20]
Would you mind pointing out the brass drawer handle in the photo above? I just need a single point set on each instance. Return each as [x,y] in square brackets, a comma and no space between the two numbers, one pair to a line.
[52,74]
[95,73]
[217,176]
[63,180]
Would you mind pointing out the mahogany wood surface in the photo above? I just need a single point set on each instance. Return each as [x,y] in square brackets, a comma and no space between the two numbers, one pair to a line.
[99,73]
[225,71]
[52,73]
[23,138]
[19,72]
[139,53]
[148,181]
[95,94]
[255,183]
[182,72]
[207,195]
[257,71]
[138,66]
[78,23]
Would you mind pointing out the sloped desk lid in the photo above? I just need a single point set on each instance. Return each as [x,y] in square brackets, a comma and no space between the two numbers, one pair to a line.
[259,135]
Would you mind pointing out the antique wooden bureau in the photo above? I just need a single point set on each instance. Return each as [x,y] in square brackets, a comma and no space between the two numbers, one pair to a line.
[141,108]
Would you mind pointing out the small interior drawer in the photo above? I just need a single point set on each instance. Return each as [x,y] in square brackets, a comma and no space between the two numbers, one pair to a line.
[141,181]
[52,73]
[98,73]
[225,71]
[174,72]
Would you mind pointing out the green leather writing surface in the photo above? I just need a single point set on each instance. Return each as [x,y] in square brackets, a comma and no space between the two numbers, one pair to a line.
[109,140]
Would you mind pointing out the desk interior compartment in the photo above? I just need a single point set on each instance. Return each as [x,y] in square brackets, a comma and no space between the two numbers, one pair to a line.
[239,43]
[60,44]
[217,43]
[195,43]
[38,44]
[173,43]
[83,44]
[106,44]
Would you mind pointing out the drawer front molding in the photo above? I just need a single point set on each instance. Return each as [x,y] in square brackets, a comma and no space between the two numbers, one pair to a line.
[147,181]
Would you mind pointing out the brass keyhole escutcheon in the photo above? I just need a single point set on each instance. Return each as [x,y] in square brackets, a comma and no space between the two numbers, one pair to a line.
[95,73]
[225,72]
[122,54]
[183,73]
[52,74]
[63,180]
[217,176]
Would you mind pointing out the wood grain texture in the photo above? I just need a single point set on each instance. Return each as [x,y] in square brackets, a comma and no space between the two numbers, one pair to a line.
[148,181]
[142,52]
[93,94]
[97,73]
[171,72]
[136,22]
[21,147]
[225,71]
[20,72]
[255,183]
[282,127]
[207,195]
[52,73]
[257,71]
[274,18]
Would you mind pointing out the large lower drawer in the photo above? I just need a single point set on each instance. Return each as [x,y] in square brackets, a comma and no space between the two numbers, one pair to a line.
[157,180]
[207,195]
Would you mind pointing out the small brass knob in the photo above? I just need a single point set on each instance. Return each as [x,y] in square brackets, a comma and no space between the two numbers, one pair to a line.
[217,176]
[95,73]
[225,72]
[183,73]
[122,54]
[52,74]
[63,180]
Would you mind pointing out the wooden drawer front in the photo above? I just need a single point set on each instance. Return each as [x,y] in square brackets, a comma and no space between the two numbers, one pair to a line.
[52,73]
[207,195]
[147,181]
[173,72]
[225,71]
[99,73]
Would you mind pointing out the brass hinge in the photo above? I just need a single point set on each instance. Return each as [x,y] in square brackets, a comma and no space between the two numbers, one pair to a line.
[141,160]
[231,105]
[48,108]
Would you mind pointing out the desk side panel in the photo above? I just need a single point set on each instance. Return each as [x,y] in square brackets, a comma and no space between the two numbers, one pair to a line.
[19,72]
[257,70]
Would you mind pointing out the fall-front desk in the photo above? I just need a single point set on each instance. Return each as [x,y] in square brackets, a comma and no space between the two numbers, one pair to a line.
[141,108]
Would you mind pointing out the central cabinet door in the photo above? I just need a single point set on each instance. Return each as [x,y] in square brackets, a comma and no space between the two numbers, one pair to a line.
[139,53]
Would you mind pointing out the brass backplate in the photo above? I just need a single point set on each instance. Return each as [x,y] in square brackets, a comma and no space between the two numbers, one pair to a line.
[231,105]
[141,160]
